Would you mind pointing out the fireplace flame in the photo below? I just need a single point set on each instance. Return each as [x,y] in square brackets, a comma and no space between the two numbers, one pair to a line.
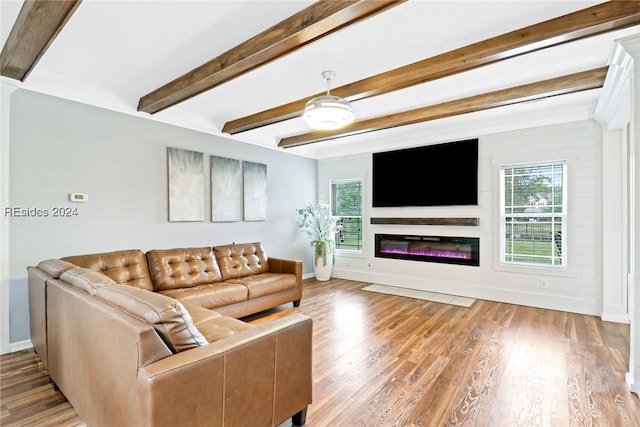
[440,249]
[429,253]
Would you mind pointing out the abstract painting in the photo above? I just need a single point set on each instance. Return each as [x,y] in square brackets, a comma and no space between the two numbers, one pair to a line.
[186,185]
[226,189]
[255,191]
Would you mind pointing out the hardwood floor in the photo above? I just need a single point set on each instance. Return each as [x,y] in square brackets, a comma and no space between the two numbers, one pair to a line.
[382,360]
[26,396]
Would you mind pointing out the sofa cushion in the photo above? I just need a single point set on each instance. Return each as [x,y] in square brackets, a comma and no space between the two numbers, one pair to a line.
[266,283]
[86,279]
[55,267]
[166,315]
[223,326]
[239,260]
[127,267]
[212,325]
[182,267]
[211,295]
[199,314]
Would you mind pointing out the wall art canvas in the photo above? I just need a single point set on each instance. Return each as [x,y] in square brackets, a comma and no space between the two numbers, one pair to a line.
[226,189]
[186,185]
[255,191]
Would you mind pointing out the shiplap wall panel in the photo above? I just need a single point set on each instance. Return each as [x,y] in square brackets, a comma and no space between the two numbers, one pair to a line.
[575,289]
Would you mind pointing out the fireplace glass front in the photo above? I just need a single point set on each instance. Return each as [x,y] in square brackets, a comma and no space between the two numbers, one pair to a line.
[442,249]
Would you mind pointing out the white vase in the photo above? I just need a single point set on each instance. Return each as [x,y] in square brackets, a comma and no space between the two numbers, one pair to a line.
[322,271]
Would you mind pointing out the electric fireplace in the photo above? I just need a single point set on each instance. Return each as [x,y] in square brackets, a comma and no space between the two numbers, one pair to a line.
[442,249]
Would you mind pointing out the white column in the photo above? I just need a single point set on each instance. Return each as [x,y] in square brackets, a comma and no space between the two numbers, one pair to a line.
[5,108]
[613,112]
[614,226]
[632,46]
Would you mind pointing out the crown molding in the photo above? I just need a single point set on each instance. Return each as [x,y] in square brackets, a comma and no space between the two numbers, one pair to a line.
[613,110]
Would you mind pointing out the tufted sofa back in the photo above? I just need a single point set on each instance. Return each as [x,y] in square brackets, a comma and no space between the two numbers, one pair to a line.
[55,267]
[86,279]
[182,267]
[241,260]
[167,316]
[128,267]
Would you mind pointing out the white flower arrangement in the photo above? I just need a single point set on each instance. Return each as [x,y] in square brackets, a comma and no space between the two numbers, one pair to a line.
[317,223]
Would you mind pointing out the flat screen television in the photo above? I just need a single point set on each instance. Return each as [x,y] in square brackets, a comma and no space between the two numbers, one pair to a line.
[431,175]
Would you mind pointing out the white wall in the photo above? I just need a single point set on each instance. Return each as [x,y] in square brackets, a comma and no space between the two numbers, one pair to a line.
[58,147]
[576,289]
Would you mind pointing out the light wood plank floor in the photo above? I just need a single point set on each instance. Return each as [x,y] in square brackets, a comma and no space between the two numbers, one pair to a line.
[382,360]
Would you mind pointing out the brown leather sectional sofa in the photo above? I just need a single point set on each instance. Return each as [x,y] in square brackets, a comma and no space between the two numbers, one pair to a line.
[153,339]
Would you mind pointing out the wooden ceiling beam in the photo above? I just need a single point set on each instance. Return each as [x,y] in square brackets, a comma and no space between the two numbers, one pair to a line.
[599,19]
[312,23]
[572,83]
[36,26]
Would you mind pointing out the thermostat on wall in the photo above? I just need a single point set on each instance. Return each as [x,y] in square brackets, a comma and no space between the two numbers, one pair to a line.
[78,197]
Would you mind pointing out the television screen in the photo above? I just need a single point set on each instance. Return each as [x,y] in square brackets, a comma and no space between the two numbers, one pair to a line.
[432,175]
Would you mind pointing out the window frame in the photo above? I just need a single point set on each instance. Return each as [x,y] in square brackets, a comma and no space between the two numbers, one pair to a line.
[332,182]
[564,215]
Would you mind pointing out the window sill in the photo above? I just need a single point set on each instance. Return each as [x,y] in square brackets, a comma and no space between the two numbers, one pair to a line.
[534,270]
[346,253]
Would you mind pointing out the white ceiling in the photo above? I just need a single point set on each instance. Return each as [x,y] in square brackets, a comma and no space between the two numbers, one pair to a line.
[111,53]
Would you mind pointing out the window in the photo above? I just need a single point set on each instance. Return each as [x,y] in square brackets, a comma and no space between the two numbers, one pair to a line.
[533,214]
[346,203]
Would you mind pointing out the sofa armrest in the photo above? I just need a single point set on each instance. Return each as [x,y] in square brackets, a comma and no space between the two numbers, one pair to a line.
[38,311]
[278,265]
[260,376]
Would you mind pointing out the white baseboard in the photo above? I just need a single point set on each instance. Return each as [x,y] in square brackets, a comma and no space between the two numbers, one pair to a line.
[635,388]
[532,298]
[20,345]
[615,318]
